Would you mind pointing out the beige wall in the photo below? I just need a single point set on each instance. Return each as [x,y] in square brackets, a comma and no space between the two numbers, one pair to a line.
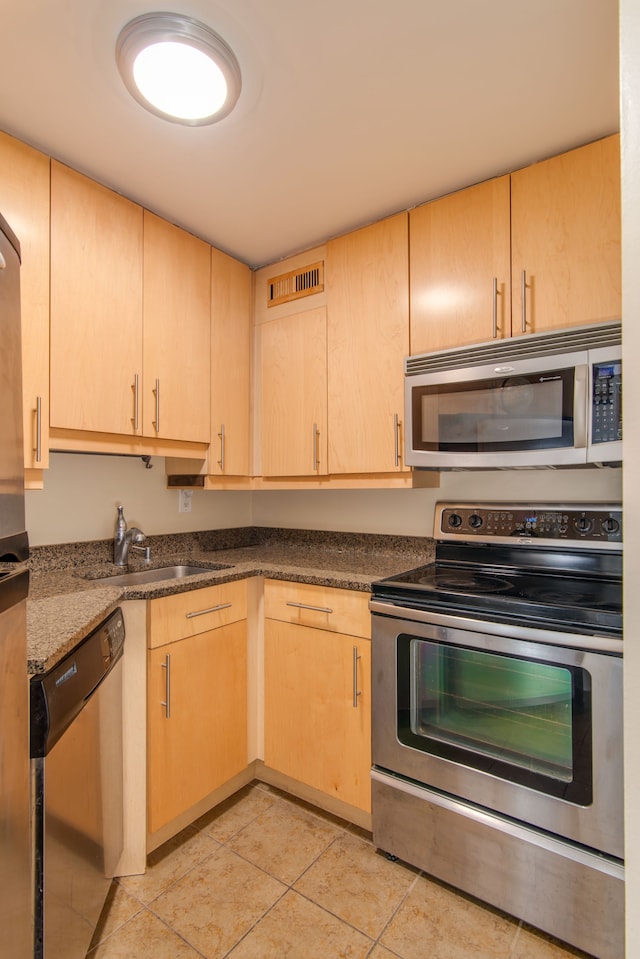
[630,126]
[410,512]
[81,492]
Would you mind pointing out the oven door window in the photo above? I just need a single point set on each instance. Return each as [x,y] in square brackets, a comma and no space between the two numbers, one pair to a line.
[509,413]
[522,720]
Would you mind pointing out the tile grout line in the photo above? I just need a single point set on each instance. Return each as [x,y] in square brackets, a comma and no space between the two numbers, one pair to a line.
[288,888]
[404,898]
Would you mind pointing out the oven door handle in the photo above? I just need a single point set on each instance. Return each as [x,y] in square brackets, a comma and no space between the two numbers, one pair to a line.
[533,634]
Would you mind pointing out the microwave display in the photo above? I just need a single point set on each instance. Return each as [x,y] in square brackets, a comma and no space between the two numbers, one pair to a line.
[514,413]
[606,402]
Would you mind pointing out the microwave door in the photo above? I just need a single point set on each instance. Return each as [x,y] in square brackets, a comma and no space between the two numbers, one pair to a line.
[528,413]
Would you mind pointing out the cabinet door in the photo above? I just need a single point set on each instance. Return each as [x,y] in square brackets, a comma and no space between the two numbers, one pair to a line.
[566,239]
[368,338]
[293,361]
[24,203]
[460,268]
[96,305]
[230,366]
[177,340]
[313,731]
[199,741]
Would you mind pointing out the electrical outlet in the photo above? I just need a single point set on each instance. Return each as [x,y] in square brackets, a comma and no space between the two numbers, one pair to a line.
[184,500]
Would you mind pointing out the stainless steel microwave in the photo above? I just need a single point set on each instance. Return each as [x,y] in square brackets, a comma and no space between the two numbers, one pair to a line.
[548,399]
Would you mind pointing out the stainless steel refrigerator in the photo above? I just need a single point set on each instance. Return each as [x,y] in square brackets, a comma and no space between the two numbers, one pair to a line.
[15,845]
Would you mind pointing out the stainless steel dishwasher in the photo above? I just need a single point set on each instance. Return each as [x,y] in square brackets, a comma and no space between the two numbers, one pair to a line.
[77,790]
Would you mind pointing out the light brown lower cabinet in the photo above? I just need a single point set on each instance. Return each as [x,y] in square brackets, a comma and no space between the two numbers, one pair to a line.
[317,689]
[196,698]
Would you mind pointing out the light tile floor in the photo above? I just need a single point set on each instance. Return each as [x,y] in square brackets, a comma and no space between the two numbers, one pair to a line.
[264,876]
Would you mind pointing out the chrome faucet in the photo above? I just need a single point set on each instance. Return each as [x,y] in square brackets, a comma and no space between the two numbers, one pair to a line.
[123,540]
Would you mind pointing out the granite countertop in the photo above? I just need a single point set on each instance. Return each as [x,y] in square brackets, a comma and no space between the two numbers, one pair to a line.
[67,598]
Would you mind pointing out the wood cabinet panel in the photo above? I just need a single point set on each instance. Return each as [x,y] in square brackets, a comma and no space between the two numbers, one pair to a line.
[459,247]
[24,203]
[176,341]
[293,365]
[230,366]
[313,731]
[96,304]
[320,607]
[368,338]
[195,611]
[202,743]
[565,222]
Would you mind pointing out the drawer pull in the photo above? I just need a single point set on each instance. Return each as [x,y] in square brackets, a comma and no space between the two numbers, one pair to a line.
[356,691]
[167,686]
[212,609]
[314,609]
[38,429]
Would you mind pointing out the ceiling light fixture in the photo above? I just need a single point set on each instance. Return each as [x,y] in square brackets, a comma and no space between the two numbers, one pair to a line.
[178,68]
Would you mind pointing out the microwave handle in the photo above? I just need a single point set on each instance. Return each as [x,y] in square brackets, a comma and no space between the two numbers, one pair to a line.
[580,403]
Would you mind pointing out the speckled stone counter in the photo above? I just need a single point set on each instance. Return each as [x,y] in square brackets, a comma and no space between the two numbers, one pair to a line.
[69,595]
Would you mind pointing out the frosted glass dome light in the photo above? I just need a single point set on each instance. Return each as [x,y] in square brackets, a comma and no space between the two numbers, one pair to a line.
[178,68]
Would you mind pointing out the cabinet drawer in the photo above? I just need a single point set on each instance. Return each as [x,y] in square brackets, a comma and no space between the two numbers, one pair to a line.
[185,614]
[321,607]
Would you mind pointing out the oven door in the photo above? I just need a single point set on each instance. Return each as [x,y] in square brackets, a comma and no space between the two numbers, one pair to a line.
[528,729]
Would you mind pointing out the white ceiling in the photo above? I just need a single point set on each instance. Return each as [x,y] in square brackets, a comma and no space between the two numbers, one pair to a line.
[350,109]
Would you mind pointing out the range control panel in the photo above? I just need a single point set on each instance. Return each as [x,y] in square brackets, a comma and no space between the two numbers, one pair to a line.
[592,525]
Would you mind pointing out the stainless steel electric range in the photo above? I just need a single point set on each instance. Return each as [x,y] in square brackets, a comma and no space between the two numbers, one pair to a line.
[497,714]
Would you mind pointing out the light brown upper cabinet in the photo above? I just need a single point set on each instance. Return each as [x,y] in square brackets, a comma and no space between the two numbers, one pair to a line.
[560,221]
[460,268]
[368,338]
[130,320]
[24,203]
[176,341]
[230,366]
[96,306]
[293,364]
[565,228]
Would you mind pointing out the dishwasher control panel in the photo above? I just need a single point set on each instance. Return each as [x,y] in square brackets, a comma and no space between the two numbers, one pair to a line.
[57,696]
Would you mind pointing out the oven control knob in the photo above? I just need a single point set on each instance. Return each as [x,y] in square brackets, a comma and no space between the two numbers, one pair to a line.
[475,521]
[455,520]
[583,524]
[610,525]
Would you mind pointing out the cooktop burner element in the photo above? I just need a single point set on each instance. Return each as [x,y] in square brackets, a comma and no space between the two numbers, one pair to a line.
[559,567]
[459,580]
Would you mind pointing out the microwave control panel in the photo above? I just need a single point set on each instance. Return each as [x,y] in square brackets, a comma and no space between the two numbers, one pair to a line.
[606,402]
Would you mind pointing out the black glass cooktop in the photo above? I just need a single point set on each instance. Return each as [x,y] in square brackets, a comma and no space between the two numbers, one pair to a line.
[586,600]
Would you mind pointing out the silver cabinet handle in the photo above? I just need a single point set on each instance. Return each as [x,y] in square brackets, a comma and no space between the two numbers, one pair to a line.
[396,433]
[167,686]
[38,429]
[314,609]
[356,692]
[316,460]
[211,609]
[523,291]
[156,422]
[222,439]
[495,307]
[136,394]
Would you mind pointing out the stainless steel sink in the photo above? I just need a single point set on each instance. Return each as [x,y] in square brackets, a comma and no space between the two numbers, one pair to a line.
[157,575]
